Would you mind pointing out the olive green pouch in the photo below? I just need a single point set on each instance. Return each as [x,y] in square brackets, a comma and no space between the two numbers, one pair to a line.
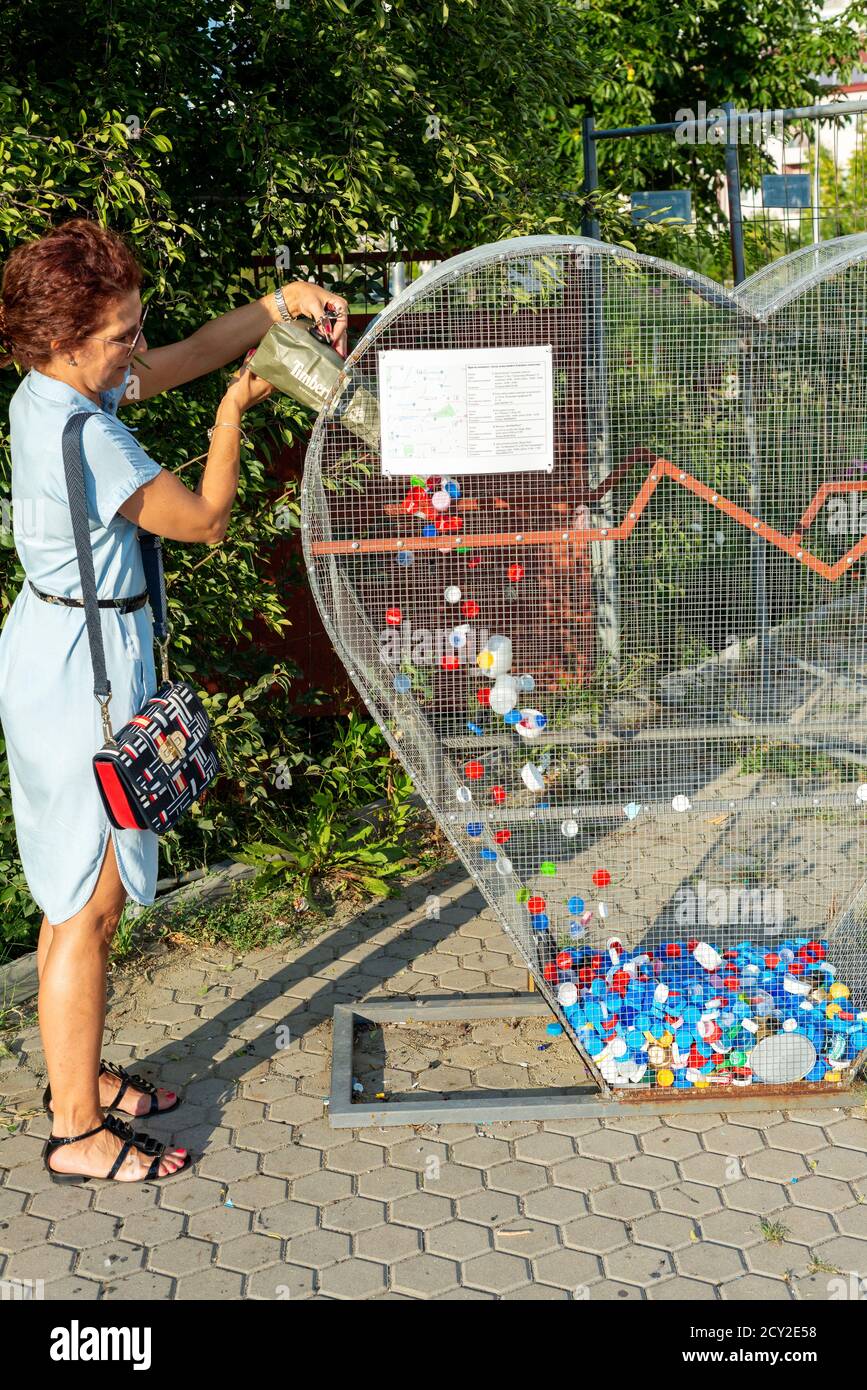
[305,369]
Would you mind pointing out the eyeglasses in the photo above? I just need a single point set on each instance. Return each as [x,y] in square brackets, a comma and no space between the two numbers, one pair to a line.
[118,342]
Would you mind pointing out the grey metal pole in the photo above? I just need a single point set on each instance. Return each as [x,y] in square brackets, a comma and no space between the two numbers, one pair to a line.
[590,223]
[733,183]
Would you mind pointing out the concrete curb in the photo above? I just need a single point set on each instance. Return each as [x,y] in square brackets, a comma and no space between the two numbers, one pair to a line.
[19,980]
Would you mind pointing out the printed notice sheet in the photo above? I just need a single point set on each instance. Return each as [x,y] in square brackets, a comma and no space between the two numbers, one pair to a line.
[466,410]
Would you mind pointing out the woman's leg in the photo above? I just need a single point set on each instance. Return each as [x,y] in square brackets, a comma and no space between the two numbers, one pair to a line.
[72,1018]
[43,945]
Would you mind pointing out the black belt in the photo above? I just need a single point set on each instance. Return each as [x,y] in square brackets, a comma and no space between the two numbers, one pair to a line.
[123,605]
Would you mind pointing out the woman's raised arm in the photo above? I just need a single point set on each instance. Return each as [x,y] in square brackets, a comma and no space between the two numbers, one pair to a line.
[223,339]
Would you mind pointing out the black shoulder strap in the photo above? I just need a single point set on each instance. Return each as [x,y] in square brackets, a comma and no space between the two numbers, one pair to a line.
[151,548]
[152,559]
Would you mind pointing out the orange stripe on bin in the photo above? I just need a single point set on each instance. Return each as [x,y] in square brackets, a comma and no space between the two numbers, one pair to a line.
[660,467]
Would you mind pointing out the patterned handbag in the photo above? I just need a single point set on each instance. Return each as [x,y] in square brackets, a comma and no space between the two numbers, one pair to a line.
[152,770]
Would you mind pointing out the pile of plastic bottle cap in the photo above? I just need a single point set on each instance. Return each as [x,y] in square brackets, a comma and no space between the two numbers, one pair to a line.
[689,1016]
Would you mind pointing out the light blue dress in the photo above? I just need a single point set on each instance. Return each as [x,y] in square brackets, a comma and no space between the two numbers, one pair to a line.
[51,720]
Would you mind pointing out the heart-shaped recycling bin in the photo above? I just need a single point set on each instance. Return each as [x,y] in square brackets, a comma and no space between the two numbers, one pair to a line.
[587,530]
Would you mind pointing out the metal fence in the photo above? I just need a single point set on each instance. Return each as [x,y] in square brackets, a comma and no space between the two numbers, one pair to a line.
[776,180]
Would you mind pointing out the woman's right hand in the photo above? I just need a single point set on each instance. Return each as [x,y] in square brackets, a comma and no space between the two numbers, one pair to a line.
[246,389]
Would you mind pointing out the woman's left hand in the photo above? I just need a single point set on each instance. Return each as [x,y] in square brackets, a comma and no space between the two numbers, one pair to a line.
[312,301]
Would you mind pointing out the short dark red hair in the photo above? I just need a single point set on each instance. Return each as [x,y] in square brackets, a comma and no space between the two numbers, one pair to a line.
[61,286]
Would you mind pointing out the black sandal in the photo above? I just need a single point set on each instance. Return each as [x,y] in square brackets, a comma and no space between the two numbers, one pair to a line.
[127,1079]
[145,1142]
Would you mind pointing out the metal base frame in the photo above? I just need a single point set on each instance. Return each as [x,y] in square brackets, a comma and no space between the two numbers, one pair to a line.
[578,1102]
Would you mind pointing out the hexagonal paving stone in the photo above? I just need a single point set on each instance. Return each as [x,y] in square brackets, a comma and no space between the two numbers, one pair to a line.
[544,1148]
[670,1143]
[451,1180]
[488,1208]
[733,1140]
[220,1223]
[388,1183]
[425,1276]
[638,1264]
[750,1194]
[527,1237]
[567,1269]
[249,1252]
[39,1262]
[318,1249]
[181,1256]
[182,1194]
[779,1259]
[21,1232]
[728,1227]
[111,1261]
[291,1162]
[296,1109]
[556,1204]
[705,1260]
[648,1172]
[282,1281]
[353,1279]
[153,1227]
[262,1137]
[689,1199]
[355,1158]
[584,1174]
[797,1138]
[496,1272]
[663,1229]
[775,1165]
[480,1152]
[421,1209]
[322,1187]
[458,1240]
[421,1155]
[846,1253]
[517,1177]
[822,1194]
[714,1169]
[609,1144]
[846,1164]
[388,1244]
[353,1214]
[623,1202]
[595,1234]
[850,1132]
[852,1221]
[808,1227]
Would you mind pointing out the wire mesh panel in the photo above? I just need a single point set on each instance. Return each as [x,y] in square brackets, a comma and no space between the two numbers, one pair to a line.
[630,679]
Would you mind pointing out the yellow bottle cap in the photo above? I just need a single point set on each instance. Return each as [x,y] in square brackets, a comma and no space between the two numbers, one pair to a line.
[665,1077]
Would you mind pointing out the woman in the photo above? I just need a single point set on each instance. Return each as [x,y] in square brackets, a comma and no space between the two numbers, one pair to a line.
[70,313]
